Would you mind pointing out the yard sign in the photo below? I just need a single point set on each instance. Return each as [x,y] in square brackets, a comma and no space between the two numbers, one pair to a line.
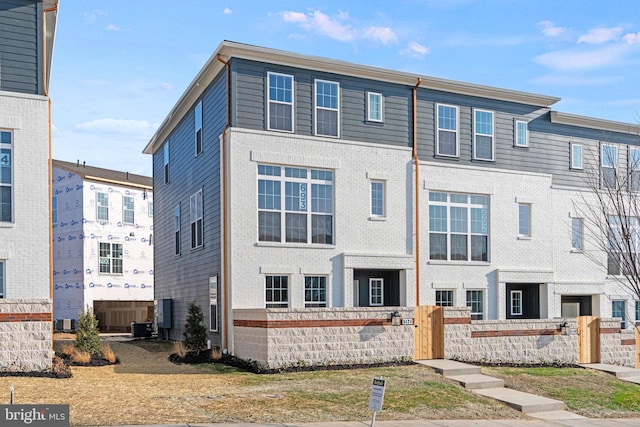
[377,396]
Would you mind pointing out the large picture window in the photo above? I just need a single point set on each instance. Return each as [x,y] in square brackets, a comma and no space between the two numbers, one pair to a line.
[327,107]
[458,227]
[280,105]
[447,132]
[111,258]
[295,205]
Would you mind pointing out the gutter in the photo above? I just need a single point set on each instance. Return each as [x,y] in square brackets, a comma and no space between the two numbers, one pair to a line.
[416,159]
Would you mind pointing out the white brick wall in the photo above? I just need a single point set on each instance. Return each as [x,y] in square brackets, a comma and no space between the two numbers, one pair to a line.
[25,242]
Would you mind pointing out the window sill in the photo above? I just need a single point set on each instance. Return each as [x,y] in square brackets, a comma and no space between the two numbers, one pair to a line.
[469,263]
[475,159]
[576,251]
[524,237]
[377,218]
[280,130]
[294,245]
[7,225]
[526,147]
[446,157]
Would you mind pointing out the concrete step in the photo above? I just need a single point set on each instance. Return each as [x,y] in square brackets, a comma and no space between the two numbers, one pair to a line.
[450,368]
[477,381]
[524,402]
[635,380]
[557,416]
[618,371]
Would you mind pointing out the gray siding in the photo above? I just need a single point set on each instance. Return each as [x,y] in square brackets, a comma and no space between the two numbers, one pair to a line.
[20,49]
[185,278]
[250,102]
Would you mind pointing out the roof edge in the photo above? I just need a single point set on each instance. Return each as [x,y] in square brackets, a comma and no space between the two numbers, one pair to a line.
[593,123]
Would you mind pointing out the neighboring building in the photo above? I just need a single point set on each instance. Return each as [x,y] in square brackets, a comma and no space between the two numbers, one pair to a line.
[26,46]
[305,184]
[102,245]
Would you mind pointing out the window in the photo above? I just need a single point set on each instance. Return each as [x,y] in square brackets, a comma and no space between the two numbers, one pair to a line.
[277,291]
[213,303]
[374,107]
[315,291]
[327,108]
[516,303]
[111,258]
[2,279]
[576,156]
[166,162]
[198,128]
[524,220]
[447,132]
[6,177]
[483,142]
[195,215]
[444,298]
[102,206]
[637,312]
[176,229]
[376,292]
[291,218]
[150,208]
[377,198]
[618,311]
[128,211]
[521,138]
[458,227]
[634,169]
[475,300]
[609,164]
[623,236]
[280,105]
[577,234]
[54,210]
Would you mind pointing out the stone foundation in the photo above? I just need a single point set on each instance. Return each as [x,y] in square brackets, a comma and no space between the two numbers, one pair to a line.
[26,337]
[290,338]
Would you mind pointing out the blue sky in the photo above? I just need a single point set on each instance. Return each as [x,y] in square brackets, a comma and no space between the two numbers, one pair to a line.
[119,66]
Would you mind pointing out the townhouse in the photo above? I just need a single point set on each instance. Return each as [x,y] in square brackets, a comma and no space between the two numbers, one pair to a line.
[26,47]
[102,245]
[288,184]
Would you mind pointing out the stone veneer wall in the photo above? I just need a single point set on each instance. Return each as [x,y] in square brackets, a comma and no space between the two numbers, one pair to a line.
[281,338]
[532,341]
[26,334]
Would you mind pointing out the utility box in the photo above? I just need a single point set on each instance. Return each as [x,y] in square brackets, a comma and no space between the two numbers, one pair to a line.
[163,313]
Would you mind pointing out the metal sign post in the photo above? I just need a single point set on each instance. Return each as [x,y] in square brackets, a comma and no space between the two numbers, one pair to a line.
[377,396]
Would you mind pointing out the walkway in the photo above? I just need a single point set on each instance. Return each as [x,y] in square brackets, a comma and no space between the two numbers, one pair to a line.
[623,373]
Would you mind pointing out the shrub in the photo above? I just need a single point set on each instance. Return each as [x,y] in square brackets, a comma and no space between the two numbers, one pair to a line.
[87,334]
[195,333]
[179,349]
[216,353]
[81,357]
[68,349]
[108,353]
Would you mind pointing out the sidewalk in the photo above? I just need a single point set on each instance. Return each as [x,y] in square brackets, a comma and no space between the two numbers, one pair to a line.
[585,422]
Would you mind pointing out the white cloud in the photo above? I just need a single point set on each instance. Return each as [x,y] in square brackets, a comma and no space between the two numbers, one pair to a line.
[112,27]
[582,59]
[632,38]
[549,29]
[227,11]
[94,14]
[117,126]
[601,35]
[415,50]
[338,27]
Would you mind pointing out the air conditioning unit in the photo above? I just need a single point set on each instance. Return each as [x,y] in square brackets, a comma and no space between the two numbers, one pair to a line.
[65,324]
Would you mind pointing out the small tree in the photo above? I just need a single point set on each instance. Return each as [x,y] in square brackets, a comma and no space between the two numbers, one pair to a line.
[195,333]
[87,334]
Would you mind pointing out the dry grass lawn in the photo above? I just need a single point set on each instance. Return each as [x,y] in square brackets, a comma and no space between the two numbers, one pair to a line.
[145,388]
